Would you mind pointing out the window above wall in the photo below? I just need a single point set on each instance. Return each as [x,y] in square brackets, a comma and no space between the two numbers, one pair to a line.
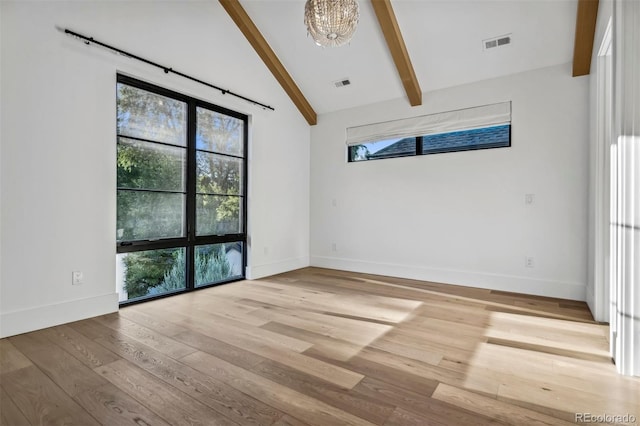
[474,128]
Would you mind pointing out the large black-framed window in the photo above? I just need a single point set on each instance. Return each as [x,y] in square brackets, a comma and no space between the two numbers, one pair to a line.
[181,192]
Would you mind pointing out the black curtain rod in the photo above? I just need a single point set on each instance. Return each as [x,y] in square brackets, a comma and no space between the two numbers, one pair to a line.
[167,70]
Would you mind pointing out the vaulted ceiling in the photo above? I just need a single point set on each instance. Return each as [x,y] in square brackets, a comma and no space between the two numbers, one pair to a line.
[443,39]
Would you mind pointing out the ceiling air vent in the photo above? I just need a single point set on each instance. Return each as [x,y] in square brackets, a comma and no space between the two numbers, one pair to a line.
[343,82]
[492,43]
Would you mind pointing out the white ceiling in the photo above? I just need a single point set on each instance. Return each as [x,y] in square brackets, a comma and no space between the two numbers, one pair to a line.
[443,38]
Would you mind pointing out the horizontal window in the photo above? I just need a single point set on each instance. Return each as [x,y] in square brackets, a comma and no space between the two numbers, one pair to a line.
[462,140]
[487,126]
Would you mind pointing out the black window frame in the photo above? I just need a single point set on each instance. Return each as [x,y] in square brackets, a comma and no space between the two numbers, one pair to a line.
[190,241]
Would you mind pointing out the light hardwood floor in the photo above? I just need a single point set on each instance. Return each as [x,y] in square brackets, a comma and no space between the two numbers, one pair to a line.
[320,347]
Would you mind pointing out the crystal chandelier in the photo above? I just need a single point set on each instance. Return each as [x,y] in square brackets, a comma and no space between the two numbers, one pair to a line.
[331,22]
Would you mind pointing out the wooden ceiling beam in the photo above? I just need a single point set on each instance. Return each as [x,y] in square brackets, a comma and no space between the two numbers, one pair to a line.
[585,33]
[268,56]
[398,50]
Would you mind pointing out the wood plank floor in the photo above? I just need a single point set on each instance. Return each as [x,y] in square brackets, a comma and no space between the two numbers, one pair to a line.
[320,347]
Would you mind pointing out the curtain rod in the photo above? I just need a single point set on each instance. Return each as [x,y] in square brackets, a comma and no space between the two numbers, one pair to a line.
[167,70]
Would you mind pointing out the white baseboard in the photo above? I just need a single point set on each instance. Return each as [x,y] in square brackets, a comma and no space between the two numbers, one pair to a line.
[267,269]
[23,321]
[516,284]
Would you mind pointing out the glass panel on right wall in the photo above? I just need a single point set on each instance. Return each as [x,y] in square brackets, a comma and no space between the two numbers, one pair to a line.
[216,263]
[463,140]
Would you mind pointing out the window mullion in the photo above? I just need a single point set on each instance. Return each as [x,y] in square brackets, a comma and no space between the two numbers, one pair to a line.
[191,192]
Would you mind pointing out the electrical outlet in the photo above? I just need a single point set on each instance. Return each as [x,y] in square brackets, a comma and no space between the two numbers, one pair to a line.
[266,251]
[529,198]
[334,247]
[528,262]
[77,278]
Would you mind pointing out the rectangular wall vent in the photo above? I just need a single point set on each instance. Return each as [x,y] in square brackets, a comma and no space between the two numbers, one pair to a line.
[492,43]
[343,82]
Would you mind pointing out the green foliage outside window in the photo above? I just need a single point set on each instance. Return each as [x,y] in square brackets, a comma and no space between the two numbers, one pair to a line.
[161,271]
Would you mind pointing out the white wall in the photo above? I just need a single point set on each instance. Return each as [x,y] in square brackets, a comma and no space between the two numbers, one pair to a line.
[460,218]
[58,171]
